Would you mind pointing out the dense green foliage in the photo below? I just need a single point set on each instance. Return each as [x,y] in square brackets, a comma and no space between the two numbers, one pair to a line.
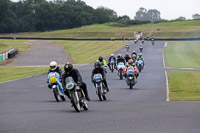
[42,15]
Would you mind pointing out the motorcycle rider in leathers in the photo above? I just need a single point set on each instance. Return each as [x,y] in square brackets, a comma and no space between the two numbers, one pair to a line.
[74,73]
[99,69]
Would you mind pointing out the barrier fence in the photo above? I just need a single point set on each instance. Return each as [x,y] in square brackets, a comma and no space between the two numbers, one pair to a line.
[9,54]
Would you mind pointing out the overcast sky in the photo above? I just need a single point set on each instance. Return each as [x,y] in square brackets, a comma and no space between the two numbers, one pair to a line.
[169,9]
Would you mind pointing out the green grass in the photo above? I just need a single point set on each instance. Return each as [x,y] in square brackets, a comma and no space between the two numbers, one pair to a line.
[183,54]
[83,52]
[6,45]
[184,85]
[173,29]
[12,73]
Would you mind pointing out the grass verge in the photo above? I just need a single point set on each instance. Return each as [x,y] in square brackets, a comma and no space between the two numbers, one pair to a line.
[183,54]
[6,45]
[12,73]
[173,29]
[184,85]
[83,52]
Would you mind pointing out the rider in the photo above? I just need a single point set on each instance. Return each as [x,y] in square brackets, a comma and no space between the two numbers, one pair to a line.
[127,57]
[102,61]
[134,53]
[141,48]
[98,69]
[120,59]
[140,57]
[74,73]
[53,67]
[127,46]
[112,57]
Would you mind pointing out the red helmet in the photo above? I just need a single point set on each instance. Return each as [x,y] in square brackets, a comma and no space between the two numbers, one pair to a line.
[130,61]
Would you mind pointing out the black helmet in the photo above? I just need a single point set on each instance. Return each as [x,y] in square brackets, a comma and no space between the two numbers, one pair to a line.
[68,67]
[97,64]
[100,58]
[126,55]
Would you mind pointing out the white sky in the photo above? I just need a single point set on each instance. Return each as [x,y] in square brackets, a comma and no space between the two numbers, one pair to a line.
[170,9]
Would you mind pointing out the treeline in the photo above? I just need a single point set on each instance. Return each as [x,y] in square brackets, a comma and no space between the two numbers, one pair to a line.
[41,15]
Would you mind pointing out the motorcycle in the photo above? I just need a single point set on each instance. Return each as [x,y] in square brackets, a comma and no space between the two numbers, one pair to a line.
[101,91]
[131,78]
[77,96]
[140,65]
[120,68]
[112,65]
[127,48]
[141,49]
[56,85]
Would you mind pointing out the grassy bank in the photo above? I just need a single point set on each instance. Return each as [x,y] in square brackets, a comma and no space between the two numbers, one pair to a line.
[173,29]
[183,54]
[5,45]
[184,85]
[12,73]
[83,52]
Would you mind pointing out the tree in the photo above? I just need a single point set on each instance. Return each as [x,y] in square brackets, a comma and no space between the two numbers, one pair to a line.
[151,15]
[181,18]
[196,16]
[7,17]
[141,14]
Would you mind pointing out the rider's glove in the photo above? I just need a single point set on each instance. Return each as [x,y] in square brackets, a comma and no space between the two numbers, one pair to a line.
[49,85]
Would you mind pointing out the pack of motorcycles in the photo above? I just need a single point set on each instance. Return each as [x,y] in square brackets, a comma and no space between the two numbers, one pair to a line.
[77,96]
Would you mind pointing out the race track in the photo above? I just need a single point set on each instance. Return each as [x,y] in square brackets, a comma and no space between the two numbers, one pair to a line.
[28,106]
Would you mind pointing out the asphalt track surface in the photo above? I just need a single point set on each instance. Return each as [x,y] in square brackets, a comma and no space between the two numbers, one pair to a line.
[28,106]
[40,53]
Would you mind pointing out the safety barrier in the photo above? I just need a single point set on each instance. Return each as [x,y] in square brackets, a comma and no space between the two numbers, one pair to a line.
[9,54]
[105,39]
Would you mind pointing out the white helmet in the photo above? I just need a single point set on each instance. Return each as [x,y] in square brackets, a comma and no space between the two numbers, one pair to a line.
[112,55]
[53,65]
[140,44]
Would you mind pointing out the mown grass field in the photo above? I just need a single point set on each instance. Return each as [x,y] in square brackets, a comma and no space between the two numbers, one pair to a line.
[184,85]
[84,52]
[12,73]
[6,45]
[173,29]
[184,54]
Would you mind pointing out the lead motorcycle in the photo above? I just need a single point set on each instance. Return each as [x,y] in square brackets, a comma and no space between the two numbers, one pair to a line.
[77,96]
[131,78]
[120,68]
[101,90]
[56,85]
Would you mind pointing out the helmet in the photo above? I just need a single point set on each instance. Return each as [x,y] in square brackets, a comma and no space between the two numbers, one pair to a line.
[100,58]
[130,61]
[53,65]
[140,54]
[133,56]
[97,64]
[134,51]
[140,44]
[133,64]
[68,67]
[119,55]
[112,55]
[126,55]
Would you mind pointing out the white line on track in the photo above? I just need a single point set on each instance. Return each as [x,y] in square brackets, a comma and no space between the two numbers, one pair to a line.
[166,76]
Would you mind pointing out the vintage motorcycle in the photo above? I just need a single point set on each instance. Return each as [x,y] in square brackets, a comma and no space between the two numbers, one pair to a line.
[131,78]
[77,96]
[101,91]
[56,85]
[120,68]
